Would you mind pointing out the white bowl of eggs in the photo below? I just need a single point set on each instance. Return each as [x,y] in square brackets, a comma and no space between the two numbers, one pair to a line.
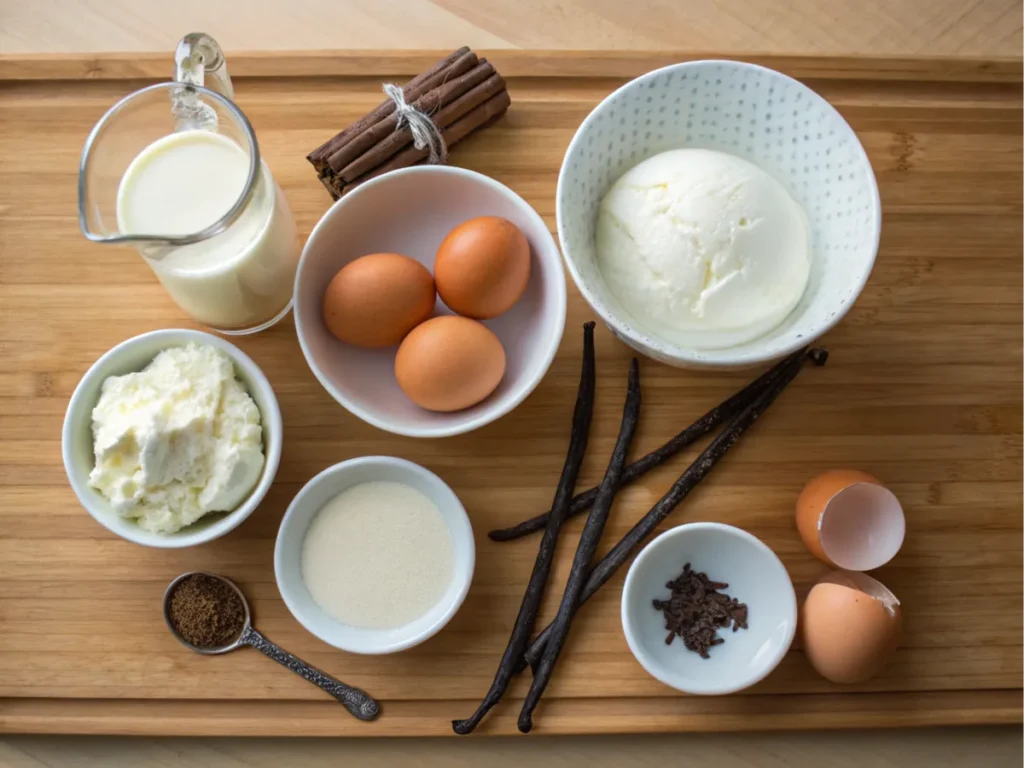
[717,214]
[430,301]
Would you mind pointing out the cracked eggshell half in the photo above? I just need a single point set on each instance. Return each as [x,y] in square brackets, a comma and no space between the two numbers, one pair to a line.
[850,626]
[849,520]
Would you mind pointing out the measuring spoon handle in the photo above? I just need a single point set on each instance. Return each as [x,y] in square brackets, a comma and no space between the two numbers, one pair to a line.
[358,702]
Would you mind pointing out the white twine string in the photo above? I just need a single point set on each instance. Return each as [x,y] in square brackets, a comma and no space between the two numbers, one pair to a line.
[425,133]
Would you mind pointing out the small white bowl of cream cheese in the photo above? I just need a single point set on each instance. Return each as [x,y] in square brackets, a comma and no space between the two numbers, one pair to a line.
[374,555]
[172,438]
[717,214]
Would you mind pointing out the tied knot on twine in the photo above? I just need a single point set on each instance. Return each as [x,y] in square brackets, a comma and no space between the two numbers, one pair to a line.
[425,133]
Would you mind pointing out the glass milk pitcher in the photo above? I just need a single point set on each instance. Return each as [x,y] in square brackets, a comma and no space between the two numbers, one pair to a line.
[174,170]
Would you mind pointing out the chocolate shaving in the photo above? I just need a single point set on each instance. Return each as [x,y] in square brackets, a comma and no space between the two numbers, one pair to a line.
[696,610]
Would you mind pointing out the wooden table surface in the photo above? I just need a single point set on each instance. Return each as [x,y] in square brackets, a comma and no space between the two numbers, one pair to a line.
[943,27]
[987,28]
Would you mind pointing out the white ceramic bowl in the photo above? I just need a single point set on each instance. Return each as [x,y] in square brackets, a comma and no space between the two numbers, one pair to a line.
[134,355]
[410,211]
[755,576]
[762,116]
[311,499]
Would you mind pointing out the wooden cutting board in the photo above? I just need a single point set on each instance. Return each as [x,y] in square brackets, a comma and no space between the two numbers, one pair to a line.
[923,389]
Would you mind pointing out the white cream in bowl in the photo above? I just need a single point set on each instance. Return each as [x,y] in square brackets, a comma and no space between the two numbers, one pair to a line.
[177,440]
[703,248]
[746,111]
[78,440]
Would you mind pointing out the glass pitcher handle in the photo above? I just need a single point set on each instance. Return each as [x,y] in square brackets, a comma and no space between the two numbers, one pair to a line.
[198,60]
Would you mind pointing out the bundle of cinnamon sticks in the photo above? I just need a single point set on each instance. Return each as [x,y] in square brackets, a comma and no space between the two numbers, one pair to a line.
[460,93]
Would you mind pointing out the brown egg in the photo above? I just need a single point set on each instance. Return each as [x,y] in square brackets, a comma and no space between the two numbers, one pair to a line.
[449,363]
[482,267]
[850,625]
[377,299]
[849,520]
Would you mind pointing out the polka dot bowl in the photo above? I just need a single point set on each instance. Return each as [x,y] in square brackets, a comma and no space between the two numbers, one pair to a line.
[762,116]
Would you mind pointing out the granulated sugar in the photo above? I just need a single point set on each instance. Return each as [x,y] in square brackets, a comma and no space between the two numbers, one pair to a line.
[378,555]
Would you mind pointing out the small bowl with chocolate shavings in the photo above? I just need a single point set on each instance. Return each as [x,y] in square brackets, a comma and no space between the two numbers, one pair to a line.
[708,609]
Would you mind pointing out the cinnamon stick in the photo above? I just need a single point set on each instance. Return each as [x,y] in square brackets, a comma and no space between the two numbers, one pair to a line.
[319,155]
[329,186]
[427,103]
[482,116]
[460,67]
[461,60]
[448,114]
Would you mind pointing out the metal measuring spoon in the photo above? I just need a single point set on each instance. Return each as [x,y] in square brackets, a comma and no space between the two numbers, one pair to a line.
[359,703]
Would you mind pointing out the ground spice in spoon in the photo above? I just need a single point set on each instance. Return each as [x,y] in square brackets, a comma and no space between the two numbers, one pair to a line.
[696,610]
[206,612]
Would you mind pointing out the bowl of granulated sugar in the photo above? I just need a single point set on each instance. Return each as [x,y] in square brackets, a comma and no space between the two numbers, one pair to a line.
[374,555]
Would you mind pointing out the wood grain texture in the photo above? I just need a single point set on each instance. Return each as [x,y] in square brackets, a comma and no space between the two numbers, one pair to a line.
[906,27]
[992,747]
[922,390]
[540,63]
